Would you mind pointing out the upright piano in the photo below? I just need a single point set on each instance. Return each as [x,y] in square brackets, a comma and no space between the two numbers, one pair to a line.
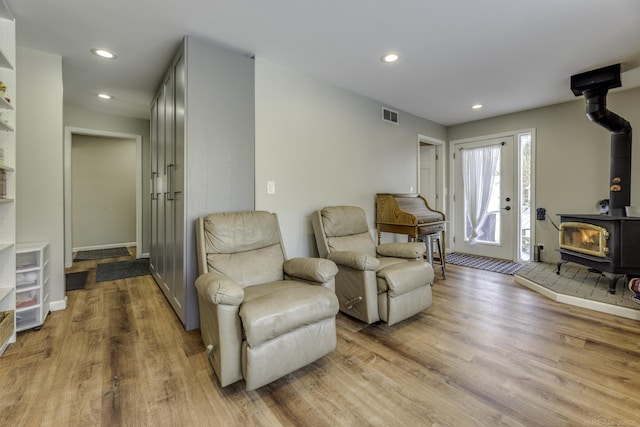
[410,214]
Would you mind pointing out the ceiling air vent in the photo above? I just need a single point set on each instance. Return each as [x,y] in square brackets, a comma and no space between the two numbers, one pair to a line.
[389,116]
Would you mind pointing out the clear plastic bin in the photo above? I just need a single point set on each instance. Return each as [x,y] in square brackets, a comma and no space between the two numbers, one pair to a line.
[27,299]
[26,279]
[26,318]
[27,260]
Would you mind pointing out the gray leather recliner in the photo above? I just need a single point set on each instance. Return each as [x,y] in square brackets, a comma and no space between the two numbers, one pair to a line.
[390,282]
[261,316]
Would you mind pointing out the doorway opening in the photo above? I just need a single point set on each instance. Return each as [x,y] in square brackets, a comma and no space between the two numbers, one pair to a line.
[70,132]
[431,171]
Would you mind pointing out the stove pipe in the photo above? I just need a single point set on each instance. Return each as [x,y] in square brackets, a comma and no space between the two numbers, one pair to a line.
[594,85]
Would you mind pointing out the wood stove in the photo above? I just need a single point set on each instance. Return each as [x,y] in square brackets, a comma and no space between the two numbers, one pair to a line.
[605,243]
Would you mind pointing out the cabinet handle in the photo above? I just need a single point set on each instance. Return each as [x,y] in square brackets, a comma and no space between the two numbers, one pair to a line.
[170,192]
[154,176]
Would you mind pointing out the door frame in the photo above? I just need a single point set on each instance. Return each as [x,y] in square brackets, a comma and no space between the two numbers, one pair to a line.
[517,223]
[69,131]
[440,169]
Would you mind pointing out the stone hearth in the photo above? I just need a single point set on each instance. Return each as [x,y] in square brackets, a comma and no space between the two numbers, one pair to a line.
[577,286]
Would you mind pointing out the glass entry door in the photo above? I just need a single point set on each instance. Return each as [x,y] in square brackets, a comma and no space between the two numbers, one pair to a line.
[484,205]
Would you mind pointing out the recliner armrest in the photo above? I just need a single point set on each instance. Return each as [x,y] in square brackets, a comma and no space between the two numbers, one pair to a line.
[409,250]
[219,289]
[312,269]
[356,260]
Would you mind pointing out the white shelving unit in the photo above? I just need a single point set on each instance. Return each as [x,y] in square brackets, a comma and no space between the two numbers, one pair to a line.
[8,184]
[32,285]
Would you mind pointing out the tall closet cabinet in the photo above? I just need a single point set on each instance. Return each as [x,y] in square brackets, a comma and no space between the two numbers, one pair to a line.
[202,159]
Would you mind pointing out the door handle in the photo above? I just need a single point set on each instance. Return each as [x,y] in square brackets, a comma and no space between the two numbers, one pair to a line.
[507,208]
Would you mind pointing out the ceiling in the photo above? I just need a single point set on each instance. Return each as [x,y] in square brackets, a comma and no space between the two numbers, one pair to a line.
[509,55]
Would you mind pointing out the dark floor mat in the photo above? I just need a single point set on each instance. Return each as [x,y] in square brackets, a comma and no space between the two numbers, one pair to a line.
[482,263]
[76,280]
[101,254]
[122,269]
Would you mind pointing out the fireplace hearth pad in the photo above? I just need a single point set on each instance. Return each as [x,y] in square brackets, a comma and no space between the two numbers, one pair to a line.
[577,286]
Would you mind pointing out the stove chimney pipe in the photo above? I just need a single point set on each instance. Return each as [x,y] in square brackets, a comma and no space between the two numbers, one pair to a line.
[594,85]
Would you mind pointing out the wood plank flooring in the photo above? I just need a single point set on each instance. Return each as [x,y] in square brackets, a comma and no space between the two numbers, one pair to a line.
[487,353]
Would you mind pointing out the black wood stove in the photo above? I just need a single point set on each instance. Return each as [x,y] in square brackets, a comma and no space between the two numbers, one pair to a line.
[607,243]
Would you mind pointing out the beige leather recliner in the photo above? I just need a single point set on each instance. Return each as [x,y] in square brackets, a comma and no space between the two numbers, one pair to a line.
[390,282]
[261,316]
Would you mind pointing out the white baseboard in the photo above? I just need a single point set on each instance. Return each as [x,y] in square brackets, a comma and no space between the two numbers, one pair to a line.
[616,310]
[58,305]
[109,246]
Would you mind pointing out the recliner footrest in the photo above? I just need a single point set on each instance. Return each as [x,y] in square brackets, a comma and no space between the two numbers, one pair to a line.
[405,277]
[298,304]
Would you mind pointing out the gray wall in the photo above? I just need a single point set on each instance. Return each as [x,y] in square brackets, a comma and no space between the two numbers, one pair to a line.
[103,187]
[79,118]
[572,157]
[39,163]
[322,146]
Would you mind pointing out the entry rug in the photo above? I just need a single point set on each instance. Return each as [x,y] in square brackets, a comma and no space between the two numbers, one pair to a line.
[122,269]
[482,263]
[101,254]
[76,280]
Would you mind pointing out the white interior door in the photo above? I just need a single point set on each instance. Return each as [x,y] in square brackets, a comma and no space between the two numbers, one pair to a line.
[484,199]
[428,168]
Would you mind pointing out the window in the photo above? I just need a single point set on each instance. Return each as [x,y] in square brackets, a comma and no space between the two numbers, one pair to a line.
[525,186]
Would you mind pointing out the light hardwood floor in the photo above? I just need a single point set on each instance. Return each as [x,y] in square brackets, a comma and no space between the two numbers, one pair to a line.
[487,353]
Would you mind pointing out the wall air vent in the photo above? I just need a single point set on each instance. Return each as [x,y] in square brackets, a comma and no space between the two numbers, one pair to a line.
[389,116]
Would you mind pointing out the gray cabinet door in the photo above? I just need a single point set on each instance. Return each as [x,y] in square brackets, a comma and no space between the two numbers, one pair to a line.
[169,216]
[162,187]
[156,260]
[153,211]
[167,204]
[177,183]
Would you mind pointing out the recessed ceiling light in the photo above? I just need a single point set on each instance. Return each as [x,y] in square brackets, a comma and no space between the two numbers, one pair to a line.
[389,58]
[104,96]
[103,53]
[476,106]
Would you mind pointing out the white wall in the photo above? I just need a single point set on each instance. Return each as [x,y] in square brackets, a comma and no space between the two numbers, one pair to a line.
[39,171]
[80,118]
[572,157]
[103,187]
[322,146]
